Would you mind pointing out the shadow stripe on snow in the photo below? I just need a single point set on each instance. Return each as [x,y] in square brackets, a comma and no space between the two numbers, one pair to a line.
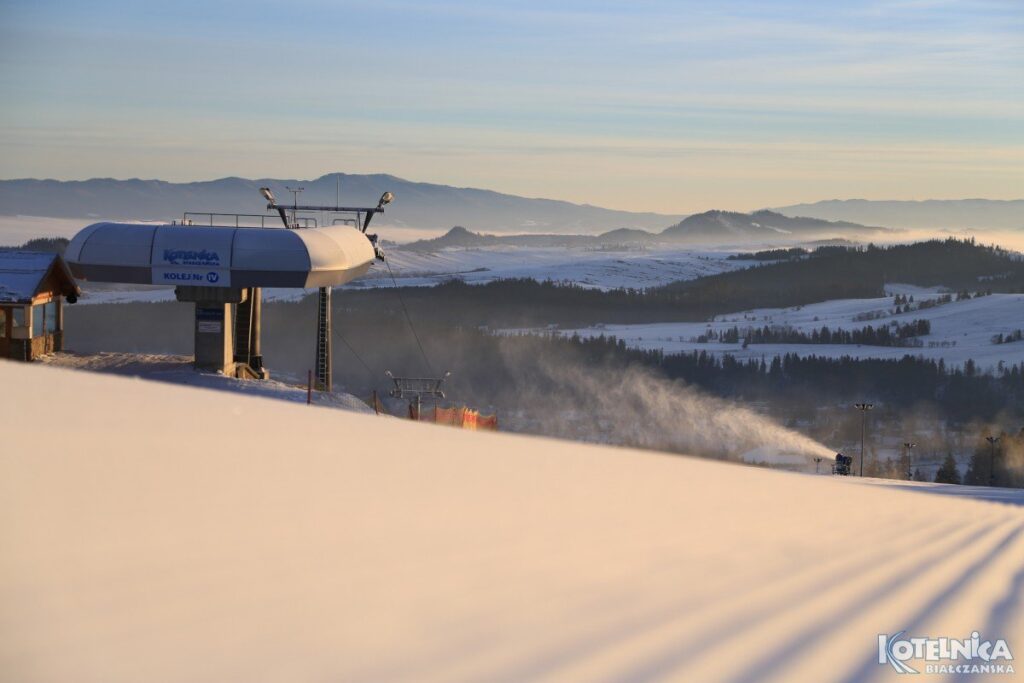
[935,545]
[940,599]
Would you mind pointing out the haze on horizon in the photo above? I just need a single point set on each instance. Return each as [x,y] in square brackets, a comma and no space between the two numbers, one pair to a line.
[657,105]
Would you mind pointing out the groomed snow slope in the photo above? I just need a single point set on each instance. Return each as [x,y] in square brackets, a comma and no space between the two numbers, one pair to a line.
[180,370]
[150,532]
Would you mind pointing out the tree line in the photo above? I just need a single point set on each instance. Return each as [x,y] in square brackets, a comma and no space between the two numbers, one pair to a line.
[897,334]
[996,460]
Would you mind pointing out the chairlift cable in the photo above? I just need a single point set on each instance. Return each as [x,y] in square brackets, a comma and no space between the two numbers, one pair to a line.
[354,353]
[408,319]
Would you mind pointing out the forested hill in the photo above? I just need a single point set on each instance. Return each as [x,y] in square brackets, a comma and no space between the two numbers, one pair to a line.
[850,272]
[55,245]
[825,274]
[715,226]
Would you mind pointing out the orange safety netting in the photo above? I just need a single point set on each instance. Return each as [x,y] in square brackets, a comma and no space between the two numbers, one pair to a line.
[445,416]
[465,418]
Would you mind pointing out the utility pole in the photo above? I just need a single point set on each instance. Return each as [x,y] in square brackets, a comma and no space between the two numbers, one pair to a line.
[863,408]
[992,441]
[909,446]
[295,204]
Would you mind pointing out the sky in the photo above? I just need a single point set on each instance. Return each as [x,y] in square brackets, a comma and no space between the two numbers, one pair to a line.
[652,105]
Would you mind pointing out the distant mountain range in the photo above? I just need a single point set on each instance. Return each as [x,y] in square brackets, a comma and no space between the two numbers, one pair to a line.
[711,227]
[991,214]
[437,207]
[416,205]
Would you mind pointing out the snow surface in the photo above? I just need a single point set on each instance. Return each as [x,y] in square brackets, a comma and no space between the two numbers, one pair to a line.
[180,370]
[993,494]
[154,532]
[961,330]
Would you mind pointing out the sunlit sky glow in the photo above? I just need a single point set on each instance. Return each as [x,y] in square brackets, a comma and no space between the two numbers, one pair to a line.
[656,105]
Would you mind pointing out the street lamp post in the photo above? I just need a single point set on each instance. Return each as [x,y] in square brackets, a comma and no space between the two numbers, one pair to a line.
[992,441]
[863,408]
[910,445]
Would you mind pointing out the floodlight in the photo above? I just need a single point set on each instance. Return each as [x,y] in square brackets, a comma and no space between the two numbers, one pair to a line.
[385,199]
[267,194]
[992,441]
[863,408]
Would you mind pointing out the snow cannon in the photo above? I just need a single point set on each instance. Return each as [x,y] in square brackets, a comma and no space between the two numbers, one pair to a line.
[843,465]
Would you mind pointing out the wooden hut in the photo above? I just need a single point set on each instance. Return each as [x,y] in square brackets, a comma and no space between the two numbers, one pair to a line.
[33,287]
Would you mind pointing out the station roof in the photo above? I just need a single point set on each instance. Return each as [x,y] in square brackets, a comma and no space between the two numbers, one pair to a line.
[219,256]
[26,274]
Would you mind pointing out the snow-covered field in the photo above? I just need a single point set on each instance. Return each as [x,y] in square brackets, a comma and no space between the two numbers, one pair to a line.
[959,330]
[179,370]
[165,533]
[585,267]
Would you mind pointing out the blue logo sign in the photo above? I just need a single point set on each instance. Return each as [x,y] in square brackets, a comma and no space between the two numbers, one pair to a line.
[212,277]
[191,257]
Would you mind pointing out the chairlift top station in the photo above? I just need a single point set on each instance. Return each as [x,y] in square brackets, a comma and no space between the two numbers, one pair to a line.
[224,257]
[217,266]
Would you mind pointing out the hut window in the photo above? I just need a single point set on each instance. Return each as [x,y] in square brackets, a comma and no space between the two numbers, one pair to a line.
[18,316]
[3,323]
[51,317]
[44,319]
[37,321]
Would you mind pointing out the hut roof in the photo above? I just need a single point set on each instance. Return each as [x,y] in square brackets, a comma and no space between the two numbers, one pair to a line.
[24,274]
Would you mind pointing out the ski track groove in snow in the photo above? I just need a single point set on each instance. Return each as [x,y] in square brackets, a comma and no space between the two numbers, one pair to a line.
[762,617]
[714,600]
[957,580]
[914,584]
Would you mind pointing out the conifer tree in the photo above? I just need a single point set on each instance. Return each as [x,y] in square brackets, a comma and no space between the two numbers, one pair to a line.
[948,473]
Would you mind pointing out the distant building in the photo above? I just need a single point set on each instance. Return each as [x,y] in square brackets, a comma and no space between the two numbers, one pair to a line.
[33,286]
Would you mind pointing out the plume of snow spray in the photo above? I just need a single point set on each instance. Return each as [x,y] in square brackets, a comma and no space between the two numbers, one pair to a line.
[634,407]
